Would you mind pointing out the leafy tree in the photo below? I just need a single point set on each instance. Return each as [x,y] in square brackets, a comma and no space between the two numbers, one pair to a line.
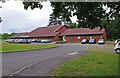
[54,21]
[114,28]
[32,5]
[89,14]
[12,34]
[7,36]
[73,25]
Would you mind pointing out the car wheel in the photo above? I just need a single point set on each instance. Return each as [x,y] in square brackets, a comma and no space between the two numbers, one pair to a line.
[118,51]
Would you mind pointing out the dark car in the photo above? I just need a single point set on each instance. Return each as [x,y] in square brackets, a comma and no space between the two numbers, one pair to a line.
[92,41]
[38,41]
[84,41]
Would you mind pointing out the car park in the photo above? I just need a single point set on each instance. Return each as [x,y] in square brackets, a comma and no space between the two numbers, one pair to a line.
[84,41]
[92,41]
[46,41]
[101,41]
[117,48]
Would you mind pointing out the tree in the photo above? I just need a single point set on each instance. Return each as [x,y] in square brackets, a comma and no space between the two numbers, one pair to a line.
[73,25]
[89,14]
[54,21]
[112,27]
[7,36]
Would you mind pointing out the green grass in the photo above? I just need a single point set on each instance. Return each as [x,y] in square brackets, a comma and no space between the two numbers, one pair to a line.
[92,64]
[11,47]
[102,48]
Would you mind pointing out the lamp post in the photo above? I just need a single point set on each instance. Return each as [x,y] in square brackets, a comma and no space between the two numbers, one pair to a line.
[0,20]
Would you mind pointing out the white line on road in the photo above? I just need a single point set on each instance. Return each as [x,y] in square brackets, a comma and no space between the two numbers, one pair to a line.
[73,53]
[22,69]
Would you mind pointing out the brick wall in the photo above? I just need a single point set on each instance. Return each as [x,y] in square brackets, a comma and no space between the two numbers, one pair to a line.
[75,39]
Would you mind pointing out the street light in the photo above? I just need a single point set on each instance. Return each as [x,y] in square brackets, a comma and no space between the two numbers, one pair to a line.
[0,17]
[0,20]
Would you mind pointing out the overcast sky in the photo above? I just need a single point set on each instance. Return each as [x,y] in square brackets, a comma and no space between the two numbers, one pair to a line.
[17,19]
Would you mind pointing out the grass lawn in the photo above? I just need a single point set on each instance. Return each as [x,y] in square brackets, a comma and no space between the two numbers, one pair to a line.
[102,48]
[11,47]
[92,64]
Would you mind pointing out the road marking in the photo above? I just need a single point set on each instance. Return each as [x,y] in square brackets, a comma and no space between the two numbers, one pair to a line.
[73,53]
[25,67]
[22,69]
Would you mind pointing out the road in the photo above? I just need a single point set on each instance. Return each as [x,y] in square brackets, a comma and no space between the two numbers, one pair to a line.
[39,62]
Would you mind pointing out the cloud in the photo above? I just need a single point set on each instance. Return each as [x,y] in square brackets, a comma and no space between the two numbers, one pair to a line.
[17,19]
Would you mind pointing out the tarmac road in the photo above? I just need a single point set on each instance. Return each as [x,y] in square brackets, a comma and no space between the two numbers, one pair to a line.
[40,62]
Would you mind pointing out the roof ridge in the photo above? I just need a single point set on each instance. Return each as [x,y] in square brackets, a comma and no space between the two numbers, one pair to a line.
[59,28]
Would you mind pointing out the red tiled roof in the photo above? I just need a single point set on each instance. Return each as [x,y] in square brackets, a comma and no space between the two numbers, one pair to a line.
[21,34]
[82,31]
[45,31]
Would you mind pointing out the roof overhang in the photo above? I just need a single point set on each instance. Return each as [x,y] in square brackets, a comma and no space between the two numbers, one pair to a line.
[80,34]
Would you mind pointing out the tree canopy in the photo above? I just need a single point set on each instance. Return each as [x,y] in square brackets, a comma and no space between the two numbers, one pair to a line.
[7,36]
[89,14]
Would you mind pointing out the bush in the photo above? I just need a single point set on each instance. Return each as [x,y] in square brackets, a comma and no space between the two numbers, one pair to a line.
[60,42]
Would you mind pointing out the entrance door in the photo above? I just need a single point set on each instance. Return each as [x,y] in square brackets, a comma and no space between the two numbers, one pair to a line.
[64,38]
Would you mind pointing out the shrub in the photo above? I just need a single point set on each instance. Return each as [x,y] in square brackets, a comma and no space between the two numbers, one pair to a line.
[60,42]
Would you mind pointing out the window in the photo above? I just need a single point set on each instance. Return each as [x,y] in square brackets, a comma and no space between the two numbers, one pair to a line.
[118,43]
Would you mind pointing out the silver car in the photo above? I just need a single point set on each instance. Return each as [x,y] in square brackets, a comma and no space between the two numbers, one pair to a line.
[117,48]
[101,41]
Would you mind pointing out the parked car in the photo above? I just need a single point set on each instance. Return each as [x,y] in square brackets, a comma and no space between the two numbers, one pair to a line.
[92,41]
[101,41]
[116,41]
[24,41]
[7,40]
[38,41]
[84,41]
[34,41]
[46,41]
[117,48]
[11,41]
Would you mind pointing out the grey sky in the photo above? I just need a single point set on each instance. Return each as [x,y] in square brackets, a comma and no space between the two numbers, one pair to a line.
[17,19]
